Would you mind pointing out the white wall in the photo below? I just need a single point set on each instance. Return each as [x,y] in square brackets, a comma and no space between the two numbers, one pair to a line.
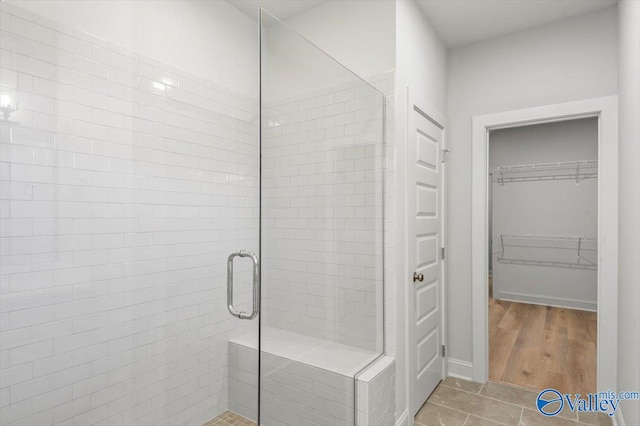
[629,281]
[544,143]
[211,39]
[420,57]
[359,35]
[293,67]
[564,61]
[558,207]
[421,60]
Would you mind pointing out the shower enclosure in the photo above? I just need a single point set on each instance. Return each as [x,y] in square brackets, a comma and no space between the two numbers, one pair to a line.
[192,220]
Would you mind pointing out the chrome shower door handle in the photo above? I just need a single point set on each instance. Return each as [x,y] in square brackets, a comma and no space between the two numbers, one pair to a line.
[256,285]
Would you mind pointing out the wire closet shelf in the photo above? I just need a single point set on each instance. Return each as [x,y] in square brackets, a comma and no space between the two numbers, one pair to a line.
[548,250]
[575,170]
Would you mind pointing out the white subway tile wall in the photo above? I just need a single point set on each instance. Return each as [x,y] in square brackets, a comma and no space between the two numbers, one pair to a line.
[322,198]
[125,183]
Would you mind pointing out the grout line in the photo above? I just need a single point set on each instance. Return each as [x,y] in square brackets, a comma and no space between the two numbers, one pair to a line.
[468,414]
[521,414]
[449,408]
[482,387]
[567,419]
[485,396]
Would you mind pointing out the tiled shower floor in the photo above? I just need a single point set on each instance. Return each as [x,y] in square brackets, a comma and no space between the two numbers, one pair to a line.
[229,418]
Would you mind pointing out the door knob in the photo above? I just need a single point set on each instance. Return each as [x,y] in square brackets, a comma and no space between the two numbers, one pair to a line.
[417,277]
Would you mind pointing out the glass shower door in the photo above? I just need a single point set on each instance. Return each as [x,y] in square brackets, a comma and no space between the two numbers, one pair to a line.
[322,220]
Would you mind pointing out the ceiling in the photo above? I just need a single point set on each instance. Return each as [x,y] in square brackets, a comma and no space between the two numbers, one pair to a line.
[460,22]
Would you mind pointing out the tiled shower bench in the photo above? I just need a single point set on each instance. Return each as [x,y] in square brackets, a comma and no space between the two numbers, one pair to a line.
[309,381]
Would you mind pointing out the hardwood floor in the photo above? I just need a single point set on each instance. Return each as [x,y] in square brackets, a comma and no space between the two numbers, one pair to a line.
[542,347]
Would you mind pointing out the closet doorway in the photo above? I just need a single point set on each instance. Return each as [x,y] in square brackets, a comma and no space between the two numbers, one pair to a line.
[543,227]
[604,110]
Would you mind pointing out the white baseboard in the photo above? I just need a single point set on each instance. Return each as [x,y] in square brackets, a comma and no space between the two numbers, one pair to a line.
[618,420]
[559,302]
[403,420]
[460,369]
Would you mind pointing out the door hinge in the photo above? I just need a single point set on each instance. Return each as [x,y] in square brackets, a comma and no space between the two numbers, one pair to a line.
[443,350]
[442,253]
[445,151]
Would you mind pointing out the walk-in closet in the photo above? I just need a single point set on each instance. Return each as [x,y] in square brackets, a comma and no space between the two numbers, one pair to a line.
[543,265]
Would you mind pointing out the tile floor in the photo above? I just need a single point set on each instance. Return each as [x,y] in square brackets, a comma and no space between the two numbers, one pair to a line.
[229,418]
[458,402]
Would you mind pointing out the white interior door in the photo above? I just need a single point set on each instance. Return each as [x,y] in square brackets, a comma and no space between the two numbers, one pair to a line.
[424,253]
